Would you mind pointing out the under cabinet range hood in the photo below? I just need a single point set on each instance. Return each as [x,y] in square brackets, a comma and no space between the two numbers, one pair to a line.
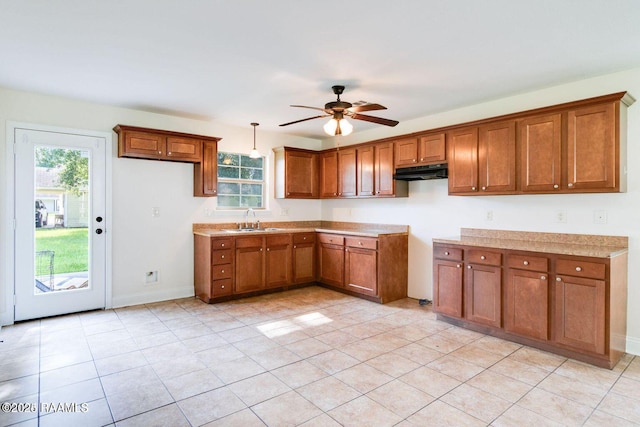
[415,173]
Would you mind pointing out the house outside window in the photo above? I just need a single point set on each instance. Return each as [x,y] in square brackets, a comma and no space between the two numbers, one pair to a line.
[241,182]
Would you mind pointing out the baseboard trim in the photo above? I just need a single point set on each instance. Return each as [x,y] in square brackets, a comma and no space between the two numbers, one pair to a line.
[152,296]
[633,345]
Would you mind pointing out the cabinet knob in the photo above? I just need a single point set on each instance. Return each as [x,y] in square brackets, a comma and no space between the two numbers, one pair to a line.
[483,257]
[458,266]
[484,188]
[556,186]
[414,160]
[570,185]
[339,194]
[267,249]
[159,152]
[335,194]
[558,279]
[469,267]
[288,194]
[294,246]
[260,249]
[304,238]
[222,257]
[360,243]
[378,192]
[222,244]
[222,287]
[222,271]
[215,191]
[543,277]
[525,262]
[578,268]
[372,193]
[169,153]
[473,188]
[446,252]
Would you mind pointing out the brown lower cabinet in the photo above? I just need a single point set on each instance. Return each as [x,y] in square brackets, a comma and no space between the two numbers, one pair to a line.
[233,266]
[574,306]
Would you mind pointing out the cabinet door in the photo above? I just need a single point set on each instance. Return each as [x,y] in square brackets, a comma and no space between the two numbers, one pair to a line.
[497,157]
[304,256]
[301,174]
[361,271]
[142,145]
[432,149]
[483,294]
[331,264]
[591,148]
[366,161]
[406,152]
[347,172]
[205,173]
[383,170]
[329,174]
[277,265]
[527,308]
[249,259]
[579,315]
[463,160]
[540,143]
[184,149]
[447,287]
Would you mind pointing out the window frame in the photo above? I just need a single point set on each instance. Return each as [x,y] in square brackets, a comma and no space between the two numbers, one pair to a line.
[241,181]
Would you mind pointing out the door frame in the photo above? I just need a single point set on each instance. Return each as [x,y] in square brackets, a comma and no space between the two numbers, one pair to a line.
[8,316]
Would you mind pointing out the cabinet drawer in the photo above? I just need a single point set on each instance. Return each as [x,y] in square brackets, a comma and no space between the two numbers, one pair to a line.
[222,256]
[481,256]
[331,239]
[221,287]
[579,268]
[526,262]
[224,243]
[361,242]
[222,271]
[447,252]
[248,242]
[278,240]
[304,238]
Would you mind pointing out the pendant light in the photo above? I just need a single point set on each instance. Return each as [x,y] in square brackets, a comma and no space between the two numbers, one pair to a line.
[254,153]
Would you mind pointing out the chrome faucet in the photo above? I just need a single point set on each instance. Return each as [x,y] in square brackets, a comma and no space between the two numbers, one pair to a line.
[246,218]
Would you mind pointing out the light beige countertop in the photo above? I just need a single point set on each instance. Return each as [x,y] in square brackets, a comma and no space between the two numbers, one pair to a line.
[347,228]
[557,243]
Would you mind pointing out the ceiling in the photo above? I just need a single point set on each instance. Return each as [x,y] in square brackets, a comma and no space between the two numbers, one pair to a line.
[242,61]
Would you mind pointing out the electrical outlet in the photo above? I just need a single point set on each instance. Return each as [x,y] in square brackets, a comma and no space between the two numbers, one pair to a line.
[208,212]
[489,216]
[151,277]
[600,217]
[155,212]
[561,216]
[284,212]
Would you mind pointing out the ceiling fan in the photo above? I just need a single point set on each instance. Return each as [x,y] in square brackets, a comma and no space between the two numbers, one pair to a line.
[338,110]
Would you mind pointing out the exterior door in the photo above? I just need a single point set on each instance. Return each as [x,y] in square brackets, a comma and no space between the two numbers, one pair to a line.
[60,257]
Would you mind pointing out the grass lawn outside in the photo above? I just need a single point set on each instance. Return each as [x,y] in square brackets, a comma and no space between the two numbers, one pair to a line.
[70,245]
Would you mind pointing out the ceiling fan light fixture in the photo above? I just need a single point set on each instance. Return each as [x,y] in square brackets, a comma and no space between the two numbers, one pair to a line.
[255,154]
[338,127]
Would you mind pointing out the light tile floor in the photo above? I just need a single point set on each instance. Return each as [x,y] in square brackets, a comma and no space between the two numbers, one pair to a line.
[309,357]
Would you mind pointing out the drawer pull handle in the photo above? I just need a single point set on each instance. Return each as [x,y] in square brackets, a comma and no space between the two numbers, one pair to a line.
[578,268]
[558,279]
[525,262]
[543,277]
[446,252]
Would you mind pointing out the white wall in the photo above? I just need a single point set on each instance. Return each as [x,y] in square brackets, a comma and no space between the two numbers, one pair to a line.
[142,243]
[430,212]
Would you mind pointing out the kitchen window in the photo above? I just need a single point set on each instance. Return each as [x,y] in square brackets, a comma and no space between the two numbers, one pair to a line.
[240,181]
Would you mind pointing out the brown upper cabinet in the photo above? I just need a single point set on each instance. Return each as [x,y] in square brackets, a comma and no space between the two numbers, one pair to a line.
[375,172]
[574,147]
[297,173]
[421,150]
[155,144]
[143,143]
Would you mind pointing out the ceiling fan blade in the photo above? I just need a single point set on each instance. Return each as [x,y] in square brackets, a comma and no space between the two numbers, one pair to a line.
[372,119]
[366,107]
[313,108]
[304,120]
